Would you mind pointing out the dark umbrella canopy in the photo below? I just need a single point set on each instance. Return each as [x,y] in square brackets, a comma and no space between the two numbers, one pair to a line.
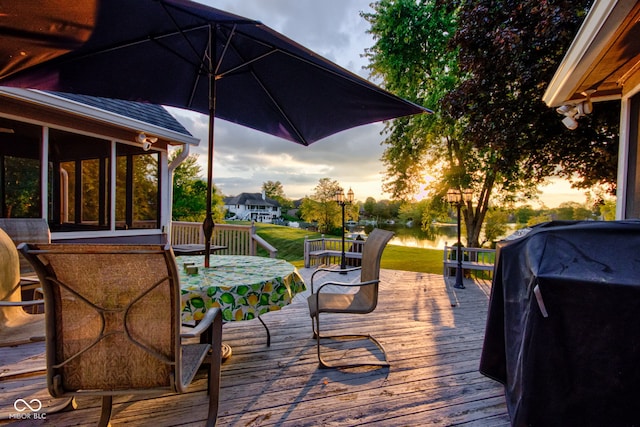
[187,55]
[157,51]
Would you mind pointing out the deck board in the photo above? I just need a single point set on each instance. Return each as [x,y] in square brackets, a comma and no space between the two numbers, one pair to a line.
[433,335]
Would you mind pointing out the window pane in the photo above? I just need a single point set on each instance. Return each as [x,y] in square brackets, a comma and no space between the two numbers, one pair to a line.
[137,188]
[19,169]
[90,191]
[80,181]
[22,187]
[121,191]
[145,191]
[68,192]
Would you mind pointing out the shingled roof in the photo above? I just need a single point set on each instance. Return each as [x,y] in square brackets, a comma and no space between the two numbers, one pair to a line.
[250,199]
[148,113]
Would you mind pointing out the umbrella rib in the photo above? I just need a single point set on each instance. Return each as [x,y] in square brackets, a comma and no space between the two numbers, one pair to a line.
[284,115]
[354,78]
[224,50]
[245,63]
[158,42]
[179,30]
[301,138]
[204,62]
[155,39]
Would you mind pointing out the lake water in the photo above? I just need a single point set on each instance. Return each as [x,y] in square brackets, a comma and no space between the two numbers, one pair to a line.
[435,238]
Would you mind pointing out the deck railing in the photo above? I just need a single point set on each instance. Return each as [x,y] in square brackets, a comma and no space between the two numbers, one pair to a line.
[473,260]
[239,239]
[325,251]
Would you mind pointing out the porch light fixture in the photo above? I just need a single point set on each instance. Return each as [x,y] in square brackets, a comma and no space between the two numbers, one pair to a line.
[340,200]
[458,198]
[145,140]
[572,112]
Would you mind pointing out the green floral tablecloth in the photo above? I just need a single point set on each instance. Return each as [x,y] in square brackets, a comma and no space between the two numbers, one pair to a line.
[244,287]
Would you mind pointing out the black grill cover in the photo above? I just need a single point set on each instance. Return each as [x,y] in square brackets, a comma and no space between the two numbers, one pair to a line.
[579,365]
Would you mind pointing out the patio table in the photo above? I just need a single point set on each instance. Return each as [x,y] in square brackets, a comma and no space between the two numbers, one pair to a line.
[195,249]
[244,287]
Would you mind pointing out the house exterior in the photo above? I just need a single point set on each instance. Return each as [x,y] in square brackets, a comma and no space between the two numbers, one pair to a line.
[97,169]
[602,64]
[252,207]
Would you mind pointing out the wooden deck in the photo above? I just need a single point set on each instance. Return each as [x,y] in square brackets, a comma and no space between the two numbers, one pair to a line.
[432,333]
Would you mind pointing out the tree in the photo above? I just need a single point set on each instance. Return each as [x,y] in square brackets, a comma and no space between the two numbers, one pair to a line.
[523,213]
[509,51]
[495,225]
[411,57]
[423,213]
[275,191]
[569,211]
[483,66]
[369,206]
[608,210]
[190,192]
[323,209]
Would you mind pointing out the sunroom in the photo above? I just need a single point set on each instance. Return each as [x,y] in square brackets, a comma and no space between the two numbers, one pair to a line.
[97,169]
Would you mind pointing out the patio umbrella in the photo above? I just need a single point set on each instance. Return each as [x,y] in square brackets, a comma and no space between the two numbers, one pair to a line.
[187,55]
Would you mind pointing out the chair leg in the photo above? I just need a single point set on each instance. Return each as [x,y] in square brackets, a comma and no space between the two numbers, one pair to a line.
[324,364]
[215,360]
[313,327]
[105,415]
[267,329]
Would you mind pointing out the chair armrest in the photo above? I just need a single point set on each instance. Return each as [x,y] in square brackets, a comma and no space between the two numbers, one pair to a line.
[21,303]
[206,322]
[332,270]
[347,284]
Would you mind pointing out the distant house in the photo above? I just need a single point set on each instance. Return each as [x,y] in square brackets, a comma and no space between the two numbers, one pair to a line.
[97,169]
[252,207]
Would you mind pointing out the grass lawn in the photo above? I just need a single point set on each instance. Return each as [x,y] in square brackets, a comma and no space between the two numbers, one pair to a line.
[290,244]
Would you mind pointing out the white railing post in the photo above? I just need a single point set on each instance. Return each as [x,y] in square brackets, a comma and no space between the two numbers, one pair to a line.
[253,244]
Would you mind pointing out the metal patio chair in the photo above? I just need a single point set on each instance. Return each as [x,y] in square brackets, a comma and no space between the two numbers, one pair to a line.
[362,301]
[16,326]
[113,323]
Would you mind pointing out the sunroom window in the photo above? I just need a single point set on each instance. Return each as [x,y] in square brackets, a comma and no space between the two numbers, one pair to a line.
[80,190]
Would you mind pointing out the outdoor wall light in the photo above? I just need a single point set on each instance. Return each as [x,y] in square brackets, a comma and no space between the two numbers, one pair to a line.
[145,140]
[570,123]
[572,112]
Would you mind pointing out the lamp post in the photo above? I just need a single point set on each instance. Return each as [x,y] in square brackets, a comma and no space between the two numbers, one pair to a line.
[342,202]
[454,196]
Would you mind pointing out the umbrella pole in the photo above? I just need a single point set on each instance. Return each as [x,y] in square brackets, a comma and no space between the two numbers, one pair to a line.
[208,224]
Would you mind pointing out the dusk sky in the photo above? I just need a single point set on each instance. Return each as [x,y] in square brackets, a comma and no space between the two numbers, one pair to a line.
[245,158]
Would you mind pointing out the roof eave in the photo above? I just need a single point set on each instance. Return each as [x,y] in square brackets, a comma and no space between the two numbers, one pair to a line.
[74,107]
[598,28]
